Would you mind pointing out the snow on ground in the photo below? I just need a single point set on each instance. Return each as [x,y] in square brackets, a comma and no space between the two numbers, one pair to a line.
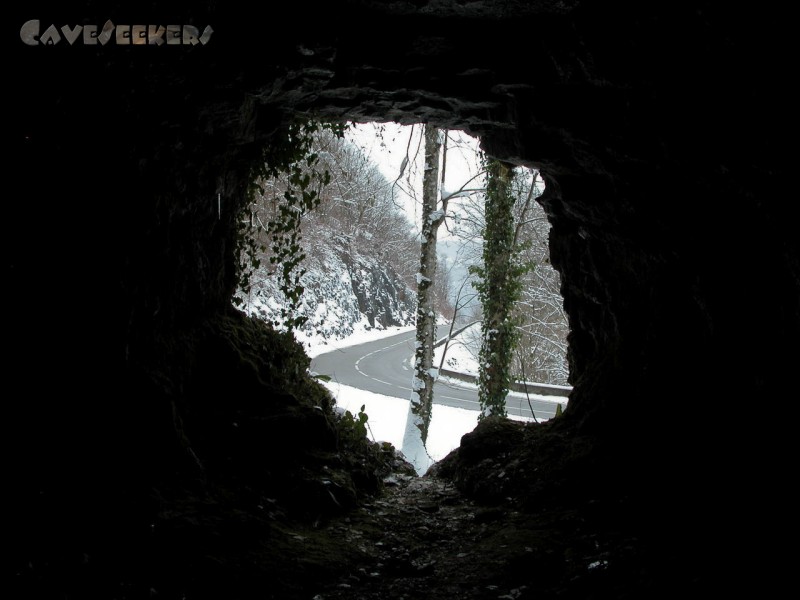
[387,415]
[462,357]
[462,352]
[387,419]
[515,399]
[363,332]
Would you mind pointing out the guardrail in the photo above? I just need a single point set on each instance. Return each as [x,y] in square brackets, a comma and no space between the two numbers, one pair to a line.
[540,389]
[453,335]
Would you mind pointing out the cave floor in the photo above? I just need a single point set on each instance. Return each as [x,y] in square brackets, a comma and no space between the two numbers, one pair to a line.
[423,539]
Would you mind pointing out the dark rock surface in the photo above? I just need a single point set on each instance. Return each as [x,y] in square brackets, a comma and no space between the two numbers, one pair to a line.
[382,297]
[424,539]
[661,130]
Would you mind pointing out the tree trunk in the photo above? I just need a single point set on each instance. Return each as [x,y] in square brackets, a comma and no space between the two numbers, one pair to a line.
[419,416]
[499,289]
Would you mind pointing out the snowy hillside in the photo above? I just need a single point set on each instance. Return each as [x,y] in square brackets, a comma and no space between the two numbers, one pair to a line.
[355,246]
[345,292]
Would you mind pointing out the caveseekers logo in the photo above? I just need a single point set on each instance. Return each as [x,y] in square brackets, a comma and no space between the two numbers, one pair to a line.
[122,35]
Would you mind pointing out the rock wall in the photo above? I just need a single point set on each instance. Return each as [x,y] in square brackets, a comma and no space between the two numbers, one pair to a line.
[660,129]
[382,297]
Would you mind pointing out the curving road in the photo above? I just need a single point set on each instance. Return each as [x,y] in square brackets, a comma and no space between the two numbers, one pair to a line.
[384,367]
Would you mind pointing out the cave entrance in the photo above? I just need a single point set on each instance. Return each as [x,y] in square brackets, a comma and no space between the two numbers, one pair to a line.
[397,150]
[355,262]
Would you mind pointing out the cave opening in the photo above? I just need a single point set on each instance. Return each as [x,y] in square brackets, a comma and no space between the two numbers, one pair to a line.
[382,150]
[359,257]
[137,451]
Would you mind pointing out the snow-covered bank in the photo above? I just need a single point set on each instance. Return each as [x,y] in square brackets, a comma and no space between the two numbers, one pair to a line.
[462,351]
[387,414]
[387,419]
[462,357]
[316,344]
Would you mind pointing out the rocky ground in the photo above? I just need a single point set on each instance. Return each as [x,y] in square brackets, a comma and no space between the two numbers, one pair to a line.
[258,492]
[425,538]
[475,527]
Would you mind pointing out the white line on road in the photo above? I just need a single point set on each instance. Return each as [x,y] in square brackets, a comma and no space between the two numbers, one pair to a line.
[400,387]
[375,352]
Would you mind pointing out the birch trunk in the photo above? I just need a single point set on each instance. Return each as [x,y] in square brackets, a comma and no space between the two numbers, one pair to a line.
[421,405]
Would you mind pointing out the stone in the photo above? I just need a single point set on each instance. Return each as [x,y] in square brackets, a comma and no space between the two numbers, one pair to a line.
[660,132]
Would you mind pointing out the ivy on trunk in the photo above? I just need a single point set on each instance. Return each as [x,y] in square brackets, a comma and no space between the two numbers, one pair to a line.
[499,286]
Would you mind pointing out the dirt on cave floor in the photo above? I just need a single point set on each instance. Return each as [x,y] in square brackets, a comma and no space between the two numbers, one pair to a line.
[517,512]
[290,507]
[423,539]
[506,536]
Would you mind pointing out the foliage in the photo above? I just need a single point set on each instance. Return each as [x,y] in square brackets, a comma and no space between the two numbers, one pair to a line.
[356,425]
[499,287]
[376,459]
[351,213]
[291,157]
[539,312]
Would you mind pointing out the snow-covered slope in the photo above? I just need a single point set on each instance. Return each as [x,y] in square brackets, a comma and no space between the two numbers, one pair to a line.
[345,291]
[462,352]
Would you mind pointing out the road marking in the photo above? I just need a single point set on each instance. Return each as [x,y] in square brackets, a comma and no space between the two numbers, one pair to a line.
[358,368]
[541,413]
[379,350]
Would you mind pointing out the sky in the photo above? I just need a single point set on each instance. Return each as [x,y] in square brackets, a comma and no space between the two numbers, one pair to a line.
[387,144]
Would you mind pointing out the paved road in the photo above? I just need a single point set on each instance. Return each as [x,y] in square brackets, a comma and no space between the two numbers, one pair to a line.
[384,367]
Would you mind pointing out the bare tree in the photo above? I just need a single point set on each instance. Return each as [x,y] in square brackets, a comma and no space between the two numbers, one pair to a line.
[421,405]
[463,298]
[539,312]
[355,209]
[542,322]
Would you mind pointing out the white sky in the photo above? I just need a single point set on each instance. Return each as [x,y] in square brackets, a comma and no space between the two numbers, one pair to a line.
[387,144]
